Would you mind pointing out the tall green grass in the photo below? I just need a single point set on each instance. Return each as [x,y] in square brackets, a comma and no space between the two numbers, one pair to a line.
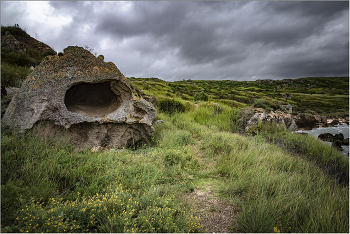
[13,75]
[125,191]
[277,180]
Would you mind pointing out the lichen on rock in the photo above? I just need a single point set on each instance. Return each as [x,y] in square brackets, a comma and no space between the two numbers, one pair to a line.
[77,91]
[277,117]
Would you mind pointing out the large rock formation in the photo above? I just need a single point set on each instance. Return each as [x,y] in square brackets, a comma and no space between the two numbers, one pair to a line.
[272,117]
[84,98]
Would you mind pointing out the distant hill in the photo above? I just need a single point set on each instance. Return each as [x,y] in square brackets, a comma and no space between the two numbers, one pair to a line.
[19,52]
[328,96]
[27,40]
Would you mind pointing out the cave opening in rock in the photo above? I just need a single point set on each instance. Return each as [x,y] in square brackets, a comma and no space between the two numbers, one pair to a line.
[93,100]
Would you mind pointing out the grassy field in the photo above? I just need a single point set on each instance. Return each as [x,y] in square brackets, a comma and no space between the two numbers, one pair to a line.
[327,96]
[279,181]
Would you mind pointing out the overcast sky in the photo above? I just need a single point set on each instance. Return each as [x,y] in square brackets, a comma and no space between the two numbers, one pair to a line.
[175,40]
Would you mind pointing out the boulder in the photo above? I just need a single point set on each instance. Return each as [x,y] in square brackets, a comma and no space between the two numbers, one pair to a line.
[81,98]
[336,139]
[326,137]
[306,122]
[334,122]
[278,117]
[339,137]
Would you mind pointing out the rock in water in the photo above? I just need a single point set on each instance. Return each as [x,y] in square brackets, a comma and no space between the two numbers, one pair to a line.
[83,98]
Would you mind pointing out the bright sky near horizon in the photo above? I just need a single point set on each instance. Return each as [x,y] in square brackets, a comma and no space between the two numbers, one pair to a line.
[175,40]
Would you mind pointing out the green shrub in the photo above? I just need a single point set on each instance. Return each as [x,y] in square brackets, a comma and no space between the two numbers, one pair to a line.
[49,52]
[171,106]
[13,75]
[263,103]
[16,58]
[202,96]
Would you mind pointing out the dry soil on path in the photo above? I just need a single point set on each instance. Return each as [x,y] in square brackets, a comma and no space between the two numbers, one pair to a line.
[217,216]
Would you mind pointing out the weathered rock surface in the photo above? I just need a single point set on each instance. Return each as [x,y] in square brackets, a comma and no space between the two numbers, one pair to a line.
[278,117]
[81,96]
[326,137]
[337,139]
[305,122]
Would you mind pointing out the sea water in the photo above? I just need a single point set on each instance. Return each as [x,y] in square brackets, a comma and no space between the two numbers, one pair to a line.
[340,128]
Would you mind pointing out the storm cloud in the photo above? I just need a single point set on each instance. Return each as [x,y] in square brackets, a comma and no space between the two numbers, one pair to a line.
[175,40]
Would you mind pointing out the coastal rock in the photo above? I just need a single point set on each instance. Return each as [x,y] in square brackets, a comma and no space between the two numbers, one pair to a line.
[83,97]
[337,139]
[334,122]
[306,122]
[278,117]
[326,137]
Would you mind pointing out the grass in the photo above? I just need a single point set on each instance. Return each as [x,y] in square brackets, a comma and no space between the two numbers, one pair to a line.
[83,191]
[275,189]
[326,96]
[13,75]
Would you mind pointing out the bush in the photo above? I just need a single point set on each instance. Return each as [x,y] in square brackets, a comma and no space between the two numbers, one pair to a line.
[16,58]
[170,106]
[202,96]
[13,75]
[49,52]
[262,103]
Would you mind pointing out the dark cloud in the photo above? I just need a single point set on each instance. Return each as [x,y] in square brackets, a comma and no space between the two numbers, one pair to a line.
[205,39]
[324,9]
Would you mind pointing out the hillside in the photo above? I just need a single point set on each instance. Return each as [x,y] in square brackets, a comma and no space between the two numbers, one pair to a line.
[19,51]
[328,96]
[200,172]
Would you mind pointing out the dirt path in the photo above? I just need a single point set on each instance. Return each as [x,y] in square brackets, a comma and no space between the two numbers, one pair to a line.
[216,215]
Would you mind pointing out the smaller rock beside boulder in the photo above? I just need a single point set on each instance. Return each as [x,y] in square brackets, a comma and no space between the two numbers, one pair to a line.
[326,137]
[305,122]
[278,117]
[158,122]
[337,139]
[334,122]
